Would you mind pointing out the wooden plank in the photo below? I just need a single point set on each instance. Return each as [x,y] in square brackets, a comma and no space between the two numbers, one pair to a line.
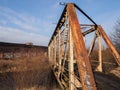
[84,66]
[110,45]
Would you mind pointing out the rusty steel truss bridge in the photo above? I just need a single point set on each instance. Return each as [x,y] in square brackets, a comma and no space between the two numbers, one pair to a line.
[68,55]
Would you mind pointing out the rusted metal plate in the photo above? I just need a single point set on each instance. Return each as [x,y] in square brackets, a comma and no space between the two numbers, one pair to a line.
[84,65]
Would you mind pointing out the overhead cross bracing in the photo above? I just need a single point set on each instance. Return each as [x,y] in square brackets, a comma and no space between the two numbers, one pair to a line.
[67,52]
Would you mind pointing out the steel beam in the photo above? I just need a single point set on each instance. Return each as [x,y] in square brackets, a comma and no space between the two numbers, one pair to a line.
[110,45]
[71,62]
[84,66]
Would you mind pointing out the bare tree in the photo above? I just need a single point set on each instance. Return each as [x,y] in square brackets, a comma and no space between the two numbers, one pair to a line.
[116,36]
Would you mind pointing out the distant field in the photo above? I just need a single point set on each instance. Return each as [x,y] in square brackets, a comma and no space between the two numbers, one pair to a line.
[27,74]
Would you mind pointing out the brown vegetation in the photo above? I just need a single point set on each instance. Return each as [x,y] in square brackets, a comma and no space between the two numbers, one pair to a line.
[107,59]
[27,74]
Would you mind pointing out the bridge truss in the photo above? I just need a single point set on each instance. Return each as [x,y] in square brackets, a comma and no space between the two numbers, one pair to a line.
[67,52]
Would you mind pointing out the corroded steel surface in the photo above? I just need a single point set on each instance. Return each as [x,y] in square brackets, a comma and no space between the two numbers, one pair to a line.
[68,54]
[84,66]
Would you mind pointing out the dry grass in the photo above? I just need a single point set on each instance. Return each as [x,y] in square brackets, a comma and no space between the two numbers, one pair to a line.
[22,64]
[27,74]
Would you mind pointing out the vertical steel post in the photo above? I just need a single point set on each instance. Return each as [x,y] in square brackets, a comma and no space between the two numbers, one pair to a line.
[54,50]
[49,53]
[99,67]
[84,66]
[71,63]
[59,57]
[110,45]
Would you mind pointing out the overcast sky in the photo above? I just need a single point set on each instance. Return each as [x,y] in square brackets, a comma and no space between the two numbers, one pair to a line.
[24,21]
